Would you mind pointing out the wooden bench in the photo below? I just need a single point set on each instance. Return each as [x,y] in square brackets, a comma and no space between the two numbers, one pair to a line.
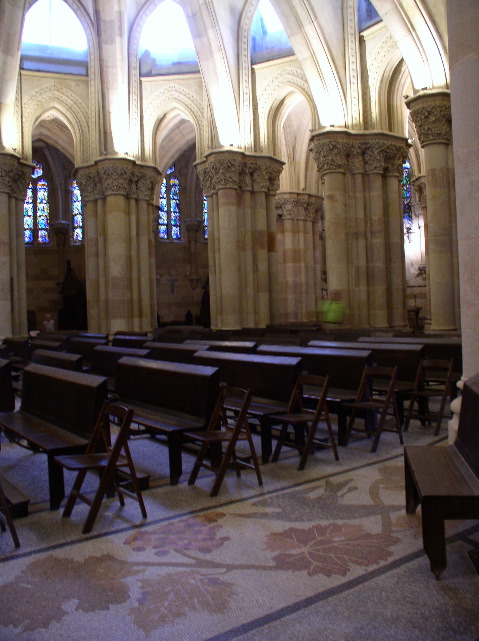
[7,393]
[271,378]
[242,347]
[18,350]
[168,399]
[406,357]
[105,358]
[85,346]
[131,340]
[344,367]
[57,415]
[444,480]
[54,358]
[173,352]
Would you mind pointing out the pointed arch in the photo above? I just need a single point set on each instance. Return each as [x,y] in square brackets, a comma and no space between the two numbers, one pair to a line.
[54,100]
[172,98]
[419,41]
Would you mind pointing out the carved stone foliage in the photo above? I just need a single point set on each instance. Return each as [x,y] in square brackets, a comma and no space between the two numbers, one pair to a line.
[118,176]
[431,114]
[294,206]
[358,152]
[14,176]
[233,170]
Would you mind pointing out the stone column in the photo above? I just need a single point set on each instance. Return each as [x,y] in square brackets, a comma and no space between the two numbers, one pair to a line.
[193,226]
[431,113]
[14,177]
[237,186]
[119,250]
[299,255]
[331,151]
[363,222]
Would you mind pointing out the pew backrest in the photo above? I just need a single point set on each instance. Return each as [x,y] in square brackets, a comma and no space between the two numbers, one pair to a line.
[7,394]
[174,352]
[105,358]
[84,345]
[70,400]
[467,440]
[344,367]
[55,358]
[179,387]
[268,376]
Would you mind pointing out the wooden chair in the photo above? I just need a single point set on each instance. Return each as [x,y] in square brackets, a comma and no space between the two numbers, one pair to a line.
[375,401]
[433,381]
[108,459]
[306,421]
[6,518]
[220,438]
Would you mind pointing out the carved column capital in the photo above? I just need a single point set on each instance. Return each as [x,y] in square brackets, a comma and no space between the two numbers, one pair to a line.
[15,175]
[298,206]
[431,114]
[88,179]
[147,182]
[331,151]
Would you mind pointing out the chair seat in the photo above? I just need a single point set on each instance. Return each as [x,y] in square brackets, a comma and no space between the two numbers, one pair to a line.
[224,428]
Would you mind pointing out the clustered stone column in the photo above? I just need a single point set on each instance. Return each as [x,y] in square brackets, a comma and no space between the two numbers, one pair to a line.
[431,114]
[14,177]
[363,226]
[118,196]
[240,189]
[300,255]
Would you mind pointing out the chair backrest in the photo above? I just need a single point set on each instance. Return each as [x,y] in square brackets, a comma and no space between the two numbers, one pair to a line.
[219,416]
[377,377]
[312,386]
[435,371]
[101,437]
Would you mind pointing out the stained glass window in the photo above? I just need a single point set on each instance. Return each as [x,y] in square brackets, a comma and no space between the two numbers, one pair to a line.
[36,209]
[169,218]
[77,213]
[406,200]
[205,217]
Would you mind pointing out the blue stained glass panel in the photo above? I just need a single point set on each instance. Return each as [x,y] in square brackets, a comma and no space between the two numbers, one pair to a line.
[77,212]
[205,218]
[28,216]
[43,212]
[406,200]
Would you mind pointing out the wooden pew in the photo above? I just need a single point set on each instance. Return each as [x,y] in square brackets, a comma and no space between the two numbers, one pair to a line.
[18,350]
[434,347]
[405,357]
[173,352]
[168,399]
[343,366]
[39,343]
[58,359]
[444,480]
[85,346]
[57,415]
[105,358]
[271,379]
[242,347]
[7,393]
[129,340]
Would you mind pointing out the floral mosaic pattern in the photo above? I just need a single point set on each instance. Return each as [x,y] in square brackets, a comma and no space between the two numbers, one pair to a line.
[193,564]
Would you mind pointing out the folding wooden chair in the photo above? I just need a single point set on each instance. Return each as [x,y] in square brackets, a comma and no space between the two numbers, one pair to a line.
[305,421]
[433,381]
[220,438]
[106,458]
[6,518]
[375,401]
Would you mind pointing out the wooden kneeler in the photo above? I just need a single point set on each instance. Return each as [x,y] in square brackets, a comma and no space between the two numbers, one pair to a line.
[221,437]
[113,458]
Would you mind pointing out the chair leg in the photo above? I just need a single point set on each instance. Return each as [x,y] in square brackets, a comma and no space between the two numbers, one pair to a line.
[197,465]
[254,456]
[8,517]
[74,494]
[279,442]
